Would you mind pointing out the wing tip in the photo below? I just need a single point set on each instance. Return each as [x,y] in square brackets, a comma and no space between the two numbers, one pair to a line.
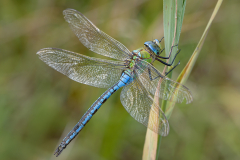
[70,11]
[189,98]
[166,127]
[164,134]
[43,50]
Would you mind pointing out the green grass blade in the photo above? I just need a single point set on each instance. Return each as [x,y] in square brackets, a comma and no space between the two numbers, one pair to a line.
[177,20]
[176,29]
[172,29]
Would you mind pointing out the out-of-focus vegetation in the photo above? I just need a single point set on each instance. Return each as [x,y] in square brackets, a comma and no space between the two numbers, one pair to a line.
[38,104]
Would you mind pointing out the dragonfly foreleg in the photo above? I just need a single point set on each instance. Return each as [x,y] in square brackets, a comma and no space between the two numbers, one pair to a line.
[168,64]
[161,39]
[169,54]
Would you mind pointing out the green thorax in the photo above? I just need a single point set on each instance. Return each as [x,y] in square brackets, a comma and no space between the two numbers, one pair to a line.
[143,54]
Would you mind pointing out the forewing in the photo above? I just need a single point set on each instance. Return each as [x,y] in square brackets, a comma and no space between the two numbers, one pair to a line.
[169,90]
[139,104]
[93,38]
[83,69]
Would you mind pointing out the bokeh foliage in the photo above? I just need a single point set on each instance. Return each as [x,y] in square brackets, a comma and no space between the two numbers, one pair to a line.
[37,103]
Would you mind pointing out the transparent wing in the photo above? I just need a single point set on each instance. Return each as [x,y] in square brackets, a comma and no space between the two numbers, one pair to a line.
[169,90]
[139,104]
[83,69]
[93,38]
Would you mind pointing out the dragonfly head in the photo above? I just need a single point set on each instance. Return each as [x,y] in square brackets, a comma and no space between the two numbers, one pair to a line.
[153,46]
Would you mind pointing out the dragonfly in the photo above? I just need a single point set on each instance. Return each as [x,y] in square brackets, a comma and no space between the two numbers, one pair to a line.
[132,71]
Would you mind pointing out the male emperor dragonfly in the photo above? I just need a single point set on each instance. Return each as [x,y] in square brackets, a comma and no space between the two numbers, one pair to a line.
[131,70]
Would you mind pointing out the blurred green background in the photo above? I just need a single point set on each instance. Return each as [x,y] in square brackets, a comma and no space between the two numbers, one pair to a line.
[38,105]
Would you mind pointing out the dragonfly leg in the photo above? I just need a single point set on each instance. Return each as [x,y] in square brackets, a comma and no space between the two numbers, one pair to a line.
[172,68]
[161,52]
[168,64]
[161,39]
[175,56]
[150,75]
[169,54]
[149,72]
[162,61]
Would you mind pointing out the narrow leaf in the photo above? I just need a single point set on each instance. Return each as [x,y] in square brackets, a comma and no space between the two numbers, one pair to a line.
[172,29]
